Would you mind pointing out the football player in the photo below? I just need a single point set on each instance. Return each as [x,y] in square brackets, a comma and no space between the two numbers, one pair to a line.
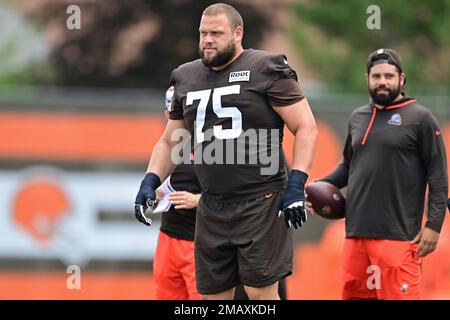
[222,98]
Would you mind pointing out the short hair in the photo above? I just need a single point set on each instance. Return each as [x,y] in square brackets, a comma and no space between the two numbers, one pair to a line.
[232,14]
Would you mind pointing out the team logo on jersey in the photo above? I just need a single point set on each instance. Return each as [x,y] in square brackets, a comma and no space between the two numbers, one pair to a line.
[239,76]
[395,120]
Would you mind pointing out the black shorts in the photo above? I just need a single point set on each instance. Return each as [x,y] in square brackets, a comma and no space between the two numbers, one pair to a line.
[241,243]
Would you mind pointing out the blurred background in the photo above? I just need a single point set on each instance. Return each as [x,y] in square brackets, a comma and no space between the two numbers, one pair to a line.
[81,106]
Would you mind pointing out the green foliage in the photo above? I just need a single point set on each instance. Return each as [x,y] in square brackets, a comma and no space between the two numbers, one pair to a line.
[334,38]
[23,51]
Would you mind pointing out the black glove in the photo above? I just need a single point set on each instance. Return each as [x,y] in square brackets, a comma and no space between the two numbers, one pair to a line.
[146,197]
[292,203]
[448,204]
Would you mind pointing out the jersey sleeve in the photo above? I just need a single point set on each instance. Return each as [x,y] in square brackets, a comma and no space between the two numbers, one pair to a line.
[339,177]
[176,109]
[433,155]
[282,88]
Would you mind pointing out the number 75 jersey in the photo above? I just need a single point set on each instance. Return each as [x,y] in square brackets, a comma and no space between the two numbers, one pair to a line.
[237,136]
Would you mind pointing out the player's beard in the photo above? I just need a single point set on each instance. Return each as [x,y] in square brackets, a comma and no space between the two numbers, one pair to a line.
[221,58]
[385,99]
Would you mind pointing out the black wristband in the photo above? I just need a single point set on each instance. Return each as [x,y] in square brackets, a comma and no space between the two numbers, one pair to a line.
[297,178]
[152,180]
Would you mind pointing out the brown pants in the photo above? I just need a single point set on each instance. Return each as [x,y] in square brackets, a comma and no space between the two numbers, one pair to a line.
[241,243]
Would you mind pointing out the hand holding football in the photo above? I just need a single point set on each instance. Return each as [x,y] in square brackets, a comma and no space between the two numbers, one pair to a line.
[326,200]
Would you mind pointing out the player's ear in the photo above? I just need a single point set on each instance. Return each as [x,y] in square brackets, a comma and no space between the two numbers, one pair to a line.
[238,33]
[402,79]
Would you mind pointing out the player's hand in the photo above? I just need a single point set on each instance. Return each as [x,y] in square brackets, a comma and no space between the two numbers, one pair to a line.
[146,197]
[309,207]
[448,204]
[159,194]
[292,203]
[427,239]
[184,200]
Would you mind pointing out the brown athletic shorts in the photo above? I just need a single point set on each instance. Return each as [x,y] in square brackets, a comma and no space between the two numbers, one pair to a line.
[241,242]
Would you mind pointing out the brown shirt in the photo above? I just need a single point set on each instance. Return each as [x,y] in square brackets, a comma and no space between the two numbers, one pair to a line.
[228,104]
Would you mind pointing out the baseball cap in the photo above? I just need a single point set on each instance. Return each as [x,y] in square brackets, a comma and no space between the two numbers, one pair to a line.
[389,56]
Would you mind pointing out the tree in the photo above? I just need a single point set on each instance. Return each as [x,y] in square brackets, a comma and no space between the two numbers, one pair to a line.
[23,50]
[129,43]
[334,38]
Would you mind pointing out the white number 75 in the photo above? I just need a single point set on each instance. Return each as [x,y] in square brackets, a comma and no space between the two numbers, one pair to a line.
[229,112]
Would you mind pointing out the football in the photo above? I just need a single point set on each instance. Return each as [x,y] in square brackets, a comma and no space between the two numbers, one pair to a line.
[326,200]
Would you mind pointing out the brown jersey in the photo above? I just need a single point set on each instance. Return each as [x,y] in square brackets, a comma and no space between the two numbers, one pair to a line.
[233,106]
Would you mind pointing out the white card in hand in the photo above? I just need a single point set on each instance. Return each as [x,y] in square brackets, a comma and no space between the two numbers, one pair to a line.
[164,204]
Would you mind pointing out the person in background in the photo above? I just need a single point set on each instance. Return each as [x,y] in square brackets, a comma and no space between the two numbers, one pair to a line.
[174,263]
[394,149]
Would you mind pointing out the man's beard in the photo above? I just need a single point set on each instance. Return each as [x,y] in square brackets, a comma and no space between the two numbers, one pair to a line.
[221,58]
[385,99]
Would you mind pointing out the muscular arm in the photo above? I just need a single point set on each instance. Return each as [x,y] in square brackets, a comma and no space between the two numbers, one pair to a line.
[161,162]
[300,121]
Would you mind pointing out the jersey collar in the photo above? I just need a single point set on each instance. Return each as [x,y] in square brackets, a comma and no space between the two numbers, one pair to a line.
[397,104]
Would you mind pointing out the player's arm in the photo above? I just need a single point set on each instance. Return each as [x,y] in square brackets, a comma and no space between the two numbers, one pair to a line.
[288,100]
[299,119]
[433,155]
[161,162]
[159,168]
[339,177]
